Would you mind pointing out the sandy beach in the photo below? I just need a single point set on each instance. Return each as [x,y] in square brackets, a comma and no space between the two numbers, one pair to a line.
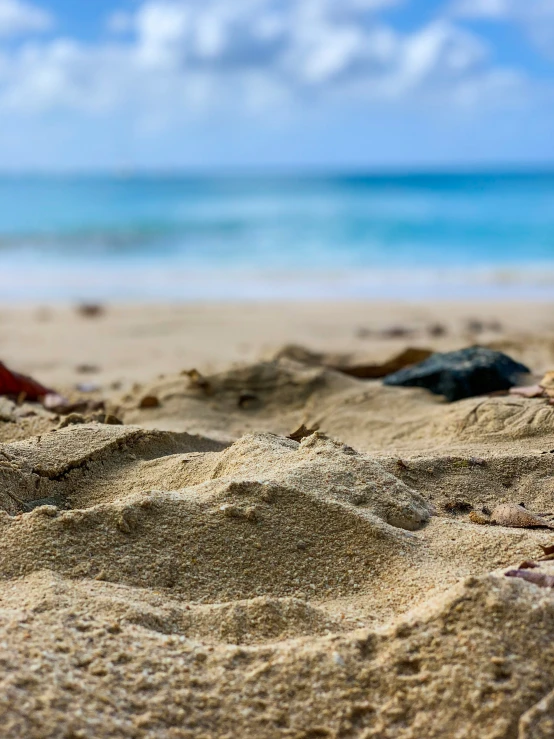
[234,536]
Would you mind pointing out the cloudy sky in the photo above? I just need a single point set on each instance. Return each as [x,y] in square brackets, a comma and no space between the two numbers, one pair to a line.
[280,83]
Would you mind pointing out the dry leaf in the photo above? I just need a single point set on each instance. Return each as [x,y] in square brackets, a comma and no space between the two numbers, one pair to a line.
[456,506]
[343,362]
[198,380]
[479,518]
[406,358]
[528,564]
[301,433]
[548,553]
[537,578]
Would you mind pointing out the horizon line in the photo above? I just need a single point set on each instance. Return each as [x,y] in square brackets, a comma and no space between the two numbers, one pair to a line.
[129,172]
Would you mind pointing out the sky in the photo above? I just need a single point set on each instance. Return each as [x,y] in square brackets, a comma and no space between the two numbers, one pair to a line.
[294,84]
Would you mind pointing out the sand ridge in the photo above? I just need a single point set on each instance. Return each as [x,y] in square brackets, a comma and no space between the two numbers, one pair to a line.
[280,395]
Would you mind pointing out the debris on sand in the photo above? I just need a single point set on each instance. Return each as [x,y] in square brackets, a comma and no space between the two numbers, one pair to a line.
[479,518]
[528,564]
[543,389]
[301,433]
[20,386]
[90,310]
[457,506]
[407,358]
[513,516]
[149,401]
[537,578]
[547,553]
[461,374]
[87,369]
[348,365]
[547,383]
[198,380]
[528,391]
[518,517]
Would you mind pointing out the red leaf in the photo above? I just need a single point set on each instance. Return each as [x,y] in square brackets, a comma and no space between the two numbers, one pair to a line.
[12,383]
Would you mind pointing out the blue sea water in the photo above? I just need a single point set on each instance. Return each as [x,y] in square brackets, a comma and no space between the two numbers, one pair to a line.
[155,237]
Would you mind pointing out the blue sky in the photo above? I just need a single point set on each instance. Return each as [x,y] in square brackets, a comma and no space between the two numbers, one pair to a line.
[279,83]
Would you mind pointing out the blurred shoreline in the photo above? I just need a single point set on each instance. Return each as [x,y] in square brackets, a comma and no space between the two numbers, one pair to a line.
[154,284]
[424,236]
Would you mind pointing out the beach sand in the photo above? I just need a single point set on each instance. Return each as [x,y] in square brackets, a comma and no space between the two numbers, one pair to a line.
[194,572]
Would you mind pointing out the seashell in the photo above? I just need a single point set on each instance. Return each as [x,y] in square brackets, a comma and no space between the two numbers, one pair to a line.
[529,391]
[537,578]
[518,517]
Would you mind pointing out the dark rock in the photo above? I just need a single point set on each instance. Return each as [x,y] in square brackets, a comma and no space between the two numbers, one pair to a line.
[461,374]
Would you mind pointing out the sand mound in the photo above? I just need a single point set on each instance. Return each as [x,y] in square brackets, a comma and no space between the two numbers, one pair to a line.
[472,663]
[280,395]
[267,396]
[262,619]
[49,466]
[268,516]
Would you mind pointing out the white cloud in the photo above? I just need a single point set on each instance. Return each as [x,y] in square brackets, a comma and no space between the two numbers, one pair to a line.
[481,8]
[119,22]
[524,10]
[535,17]
[179,57]
[18,17]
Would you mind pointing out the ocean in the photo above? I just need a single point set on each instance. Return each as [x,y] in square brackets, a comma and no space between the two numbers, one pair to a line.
[170,237]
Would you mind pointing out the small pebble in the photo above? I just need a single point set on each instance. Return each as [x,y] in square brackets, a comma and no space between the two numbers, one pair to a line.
[149,401]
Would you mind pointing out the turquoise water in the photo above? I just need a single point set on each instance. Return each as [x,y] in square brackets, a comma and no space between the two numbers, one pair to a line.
[156,237]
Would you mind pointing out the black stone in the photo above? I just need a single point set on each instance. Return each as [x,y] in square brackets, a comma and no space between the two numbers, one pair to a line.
[461,374]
